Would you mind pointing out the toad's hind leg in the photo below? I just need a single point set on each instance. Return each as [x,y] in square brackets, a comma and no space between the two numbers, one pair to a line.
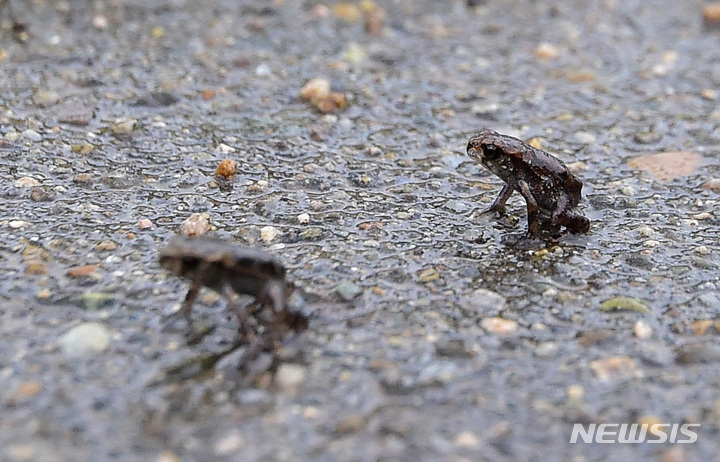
[532,209]
[565,216]
[190,299]
[574,222]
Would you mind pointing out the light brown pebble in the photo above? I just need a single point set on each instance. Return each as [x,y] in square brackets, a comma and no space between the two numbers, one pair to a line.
[105,246]
[167,456]
[29,389]
[701,327]
[499,326]
[711,14]
[315,88]
[350,424]
[467,439]
[45,97]
[195,225]
[41,194]
[428,275]
[145,224]
[26,182]
[227,168]
[75,113]
[615,368]
[701,216]
[331,102]
[36,268]
[712,184]
[43,294]
[546,51]
[317,205]
[21,452]
[666,166]
[374,17]
[320,11]
[82,178]
[81,271]
[347,11]
[673,454]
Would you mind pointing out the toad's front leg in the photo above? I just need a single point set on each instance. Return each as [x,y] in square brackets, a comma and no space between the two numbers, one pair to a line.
[498,204]
[196,283]
[240,311]
[532,209]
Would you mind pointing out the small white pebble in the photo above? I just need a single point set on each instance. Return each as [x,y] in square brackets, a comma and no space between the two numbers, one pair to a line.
[289,376]
[709,94]
[550,292]
[85,339]
[229,444]
[99,22]
[317,205]
[225,149]
[373,151]
[628,191]
[303,218]
[499,326]
[15,224]
[646,231]
[651,243]
[268,233]
[262,70]
[329,119]
[467,439]
[371,243]
[546,51]
[575,392]
[32,135]
[585,137]
[702,250]
[124,125]
[642,330]
[701,216]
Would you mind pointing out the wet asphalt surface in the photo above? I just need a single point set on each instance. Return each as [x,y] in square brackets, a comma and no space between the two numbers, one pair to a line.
[434,334]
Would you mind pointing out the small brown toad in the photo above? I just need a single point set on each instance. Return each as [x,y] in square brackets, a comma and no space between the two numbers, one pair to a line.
[549,189]
[231,271]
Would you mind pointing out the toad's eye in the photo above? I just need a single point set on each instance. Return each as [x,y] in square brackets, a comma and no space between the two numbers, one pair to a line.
[490,151]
